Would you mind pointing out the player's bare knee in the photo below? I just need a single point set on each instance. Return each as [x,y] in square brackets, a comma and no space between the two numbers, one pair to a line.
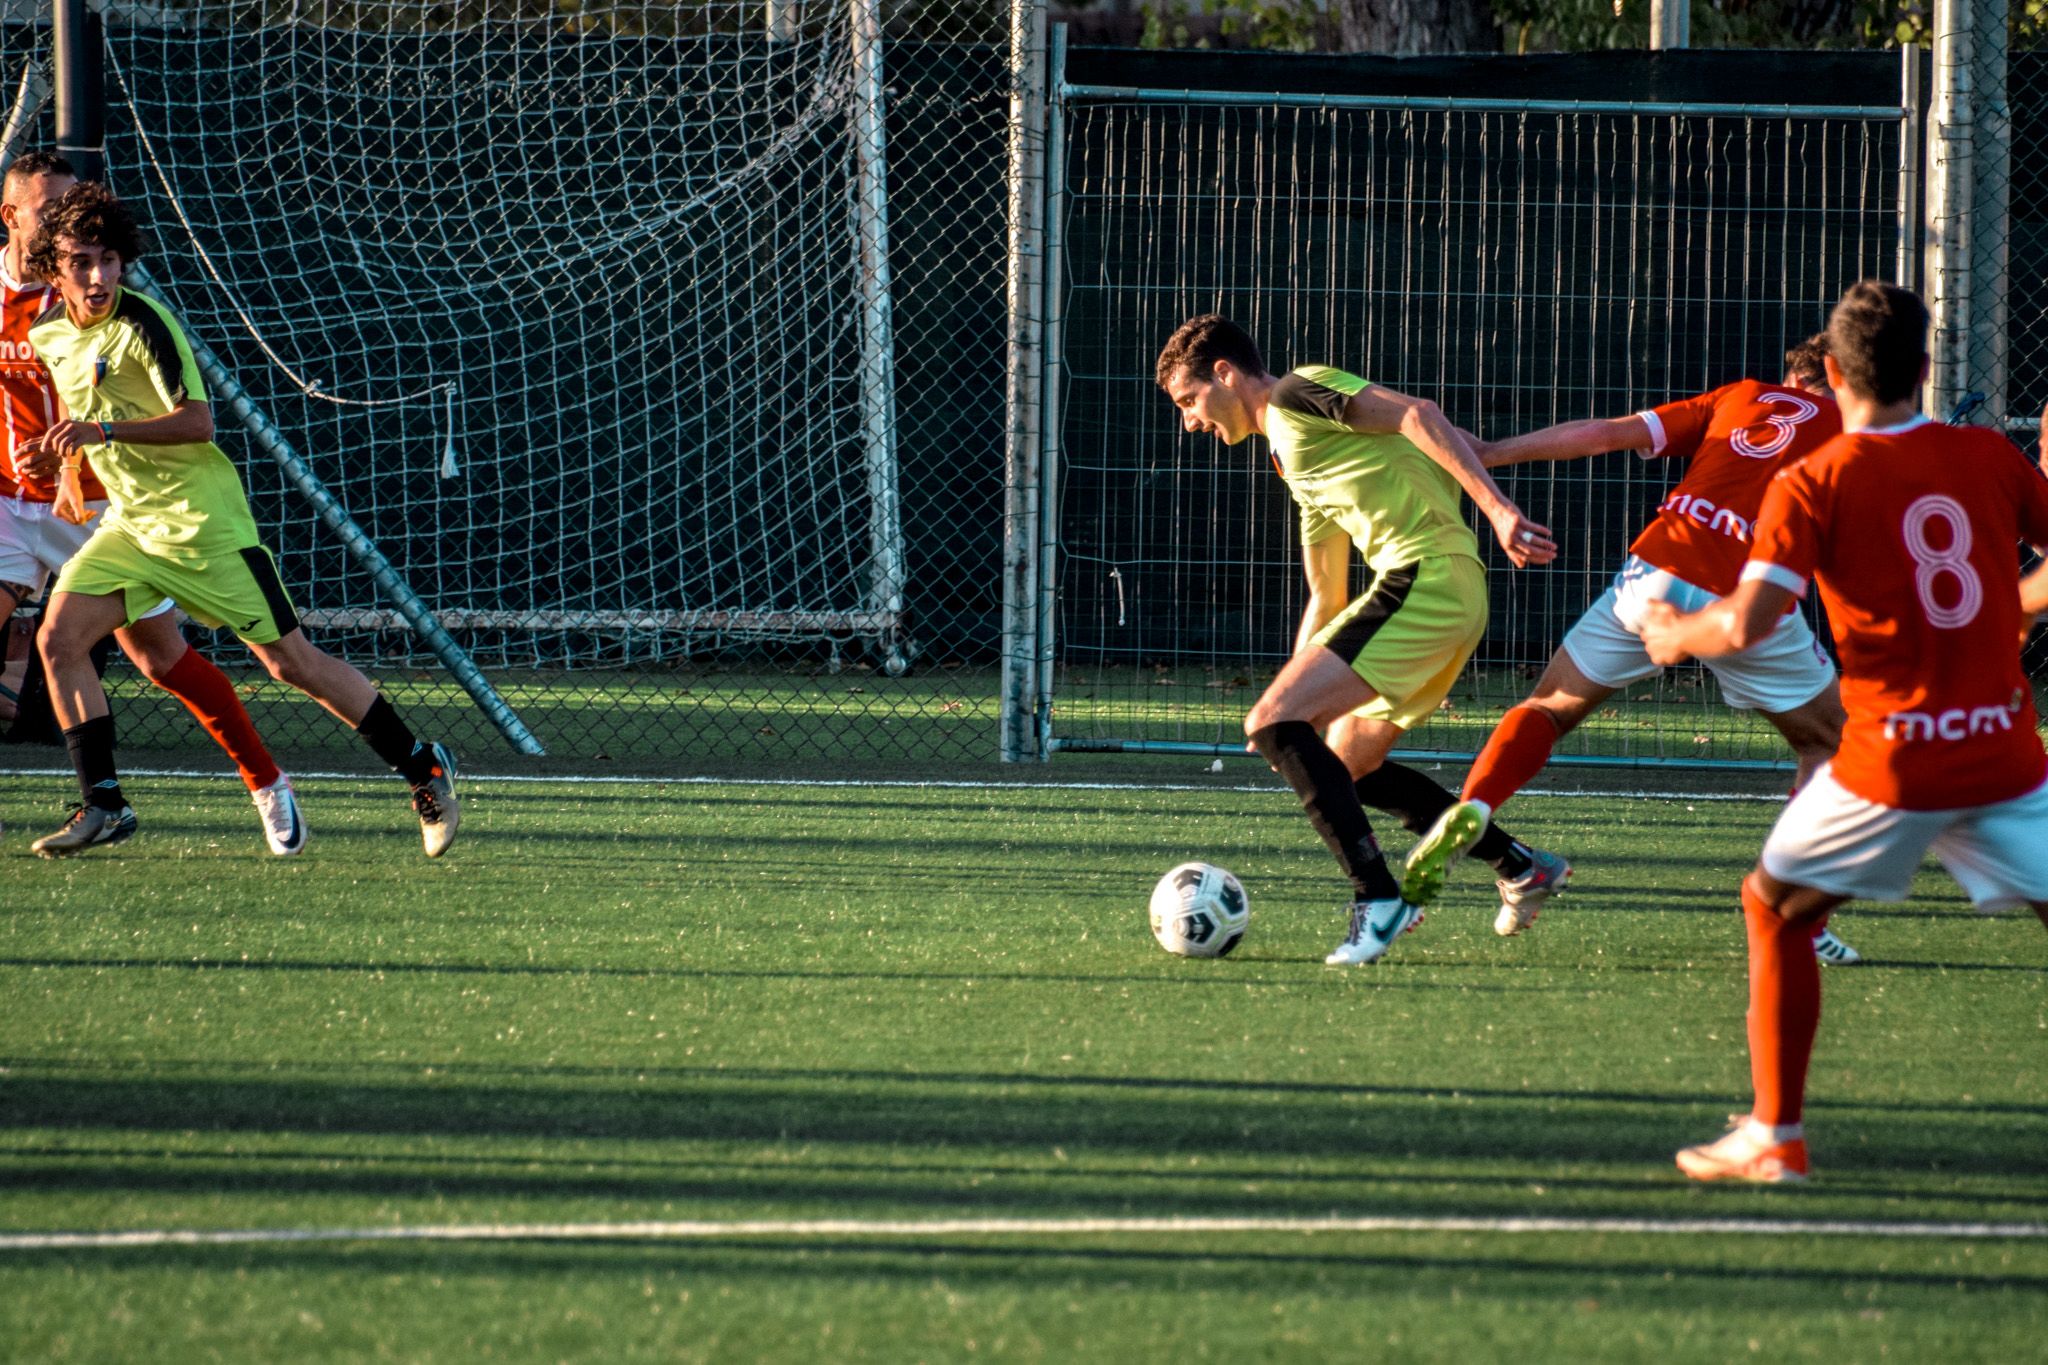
[65,646]
[288,667]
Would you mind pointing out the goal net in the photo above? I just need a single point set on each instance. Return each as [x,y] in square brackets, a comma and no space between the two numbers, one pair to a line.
[583,316]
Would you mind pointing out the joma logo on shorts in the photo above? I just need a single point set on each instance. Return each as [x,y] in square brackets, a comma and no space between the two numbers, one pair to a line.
[1955,723]
[1702,512]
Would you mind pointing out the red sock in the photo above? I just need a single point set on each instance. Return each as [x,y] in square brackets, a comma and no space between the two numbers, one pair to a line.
[213,702]
[1784,1010]
[1515,752]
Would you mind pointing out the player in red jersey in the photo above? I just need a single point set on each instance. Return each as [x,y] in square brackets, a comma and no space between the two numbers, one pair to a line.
[1909,529]
[34,543]
[1732,441]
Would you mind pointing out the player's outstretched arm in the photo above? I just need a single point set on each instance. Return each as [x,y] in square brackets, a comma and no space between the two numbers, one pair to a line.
[1729,626]
[1377,409]
[1570,441]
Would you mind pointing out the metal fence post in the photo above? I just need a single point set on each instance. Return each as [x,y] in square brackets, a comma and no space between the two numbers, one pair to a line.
[1023,393]
[1950,147]
[1985,344]
[1912,144]
[877,336]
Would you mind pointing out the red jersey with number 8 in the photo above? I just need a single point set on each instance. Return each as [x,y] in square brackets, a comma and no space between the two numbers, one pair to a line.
[1911,533]
[1734,441]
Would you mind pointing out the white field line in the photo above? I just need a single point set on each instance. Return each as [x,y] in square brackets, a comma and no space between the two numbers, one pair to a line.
[574,780]
[705,1230]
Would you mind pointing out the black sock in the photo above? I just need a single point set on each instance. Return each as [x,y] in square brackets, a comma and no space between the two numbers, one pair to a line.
[1323,783]
[92,754]
[35,721]
[1416,799]
[394,742]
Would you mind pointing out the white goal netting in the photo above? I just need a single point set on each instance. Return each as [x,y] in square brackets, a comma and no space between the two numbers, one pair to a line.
[583,316]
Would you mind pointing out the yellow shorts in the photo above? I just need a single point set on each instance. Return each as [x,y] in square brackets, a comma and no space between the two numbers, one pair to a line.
[1410,634]
[238,589]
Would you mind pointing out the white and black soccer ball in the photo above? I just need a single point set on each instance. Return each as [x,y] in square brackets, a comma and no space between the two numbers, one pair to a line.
[1199,910]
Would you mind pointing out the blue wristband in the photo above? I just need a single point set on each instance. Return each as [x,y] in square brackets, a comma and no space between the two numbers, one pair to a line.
[106,434]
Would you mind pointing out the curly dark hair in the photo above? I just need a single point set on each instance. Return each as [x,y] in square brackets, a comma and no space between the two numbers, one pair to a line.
[1804,362]
[90,214]
[1200,342]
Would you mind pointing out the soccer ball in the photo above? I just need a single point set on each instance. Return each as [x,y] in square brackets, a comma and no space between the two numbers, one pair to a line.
[1199,910]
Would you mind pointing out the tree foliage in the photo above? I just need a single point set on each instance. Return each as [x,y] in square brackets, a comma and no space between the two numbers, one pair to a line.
[1537,25]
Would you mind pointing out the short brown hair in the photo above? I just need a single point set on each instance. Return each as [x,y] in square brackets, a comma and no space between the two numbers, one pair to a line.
[89,214]
[1200,342]
[1804,363]
[1878,337]
[29,165]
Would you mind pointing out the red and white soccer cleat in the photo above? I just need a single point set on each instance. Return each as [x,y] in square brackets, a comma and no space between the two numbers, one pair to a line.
[1747,1151]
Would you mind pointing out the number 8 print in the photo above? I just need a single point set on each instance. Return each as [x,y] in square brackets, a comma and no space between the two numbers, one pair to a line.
[1930,563]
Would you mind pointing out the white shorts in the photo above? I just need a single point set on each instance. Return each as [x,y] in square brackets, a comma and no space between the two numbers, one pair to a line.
[1783,671]
[34,544]
[1835,841]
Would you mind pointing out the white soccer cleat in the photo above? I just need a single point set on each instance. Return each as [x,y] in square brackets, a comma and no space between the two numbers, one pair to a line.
[1833,952]
[283,827]
[435,802]
[1747,1151]
[1374,927]
[1522,898]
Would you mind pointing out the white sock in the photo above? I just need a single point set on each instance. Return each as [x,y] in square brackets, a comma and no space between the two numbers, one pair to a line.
[1770,1133]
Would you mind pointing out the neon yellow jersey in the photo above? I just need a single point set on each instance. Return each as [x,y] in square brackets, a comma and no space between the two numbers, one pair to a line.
[1395,503]
[182,501]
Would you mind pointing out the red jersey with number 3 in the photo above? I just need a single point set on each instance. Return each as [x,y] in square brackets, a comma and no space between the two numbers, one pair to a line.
[1911,533]
[1733,441]
[28,399]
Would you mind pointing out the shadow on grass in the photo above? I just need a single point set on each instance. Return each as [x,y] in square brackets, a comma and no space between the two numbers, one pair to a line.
[1648,1280]
[1168,976]
[969,1113]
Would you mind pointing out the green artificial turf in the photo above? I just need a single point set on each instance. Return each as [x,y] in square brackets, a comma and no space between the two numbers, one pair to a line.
[630,1002]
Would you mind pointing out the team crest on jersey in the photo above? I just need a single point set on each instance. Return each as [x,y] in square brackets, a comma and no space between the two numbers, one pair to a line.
[99,369]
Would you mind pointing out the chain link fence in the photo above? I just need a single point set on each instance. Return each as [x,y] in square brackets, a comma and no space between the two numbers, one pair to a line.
[662,350]
[658,348]
[1519,262]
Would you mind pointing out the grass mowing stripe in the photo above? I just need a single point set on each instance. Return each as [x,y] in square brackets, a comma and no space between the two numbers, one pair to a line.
[690,1230]
[622,780]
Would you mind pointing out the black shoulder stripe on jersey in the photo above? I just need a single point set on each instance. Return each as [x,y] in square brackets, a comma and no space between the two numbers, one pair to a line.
[54,310]
[156,333]
[1296,394]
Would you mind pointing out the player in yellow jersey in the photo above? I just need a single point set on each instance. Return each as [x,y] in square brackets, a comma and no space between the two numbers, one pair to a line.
[1379,471]
[179,525]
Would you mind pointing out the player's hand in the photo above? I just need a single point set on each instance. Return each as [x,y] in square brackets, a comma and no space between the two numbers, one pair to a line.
[69,504]
[1526,542]
[1659,631]
[70,435]
[37,460]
